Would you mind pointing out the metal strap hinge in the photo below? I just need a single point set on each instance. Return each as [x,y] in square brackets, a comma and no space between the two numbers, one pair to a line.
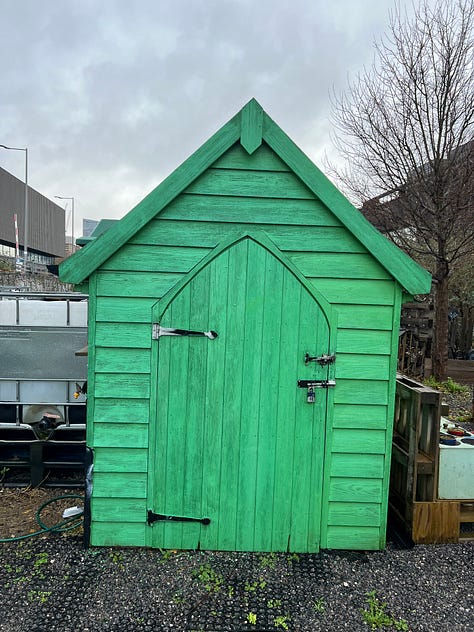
[159,331]
[154,517]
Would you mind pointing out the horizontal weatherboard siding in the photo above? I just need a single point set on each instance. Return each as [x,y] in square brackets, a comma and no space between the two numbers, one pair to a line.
[225,208]
[116,460]
[121,410]
[114,510]
[354,514]
[131,435]
[207,234]
[133,284]
[350,537]
[119,485]
[129,360]
[350,465]
[118,533]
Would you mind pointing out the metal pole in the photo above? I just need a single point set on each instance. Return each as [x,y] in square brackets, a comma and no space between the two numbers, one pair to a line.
[61,197]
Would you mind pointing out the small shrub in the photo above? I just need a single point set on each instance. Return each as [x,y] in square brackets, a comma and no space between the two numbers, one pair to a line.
[377,618]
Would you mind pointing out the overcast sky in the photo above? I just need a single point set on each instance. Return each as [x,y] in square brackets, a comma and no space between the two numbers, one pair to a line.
[110,96]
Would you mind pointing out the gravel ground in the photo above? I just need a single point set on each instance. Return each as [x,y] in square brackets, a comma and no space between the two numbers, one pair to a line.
[51,583]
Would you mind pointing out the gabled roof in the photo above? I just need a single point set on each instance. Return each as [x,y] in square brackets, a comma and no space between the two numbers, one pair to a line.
[251,126]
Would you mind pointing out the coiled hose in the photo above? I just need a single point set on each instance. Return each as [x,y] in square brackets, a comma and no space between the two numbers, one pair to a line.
[66,525]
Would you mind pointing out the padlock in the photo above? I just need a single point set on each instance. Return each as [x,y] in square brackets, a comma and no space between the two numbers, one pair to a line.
[311,396]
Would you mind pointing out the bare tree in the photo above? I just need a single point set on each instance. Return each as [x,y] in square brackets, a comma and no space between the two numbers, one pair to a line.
[405,128]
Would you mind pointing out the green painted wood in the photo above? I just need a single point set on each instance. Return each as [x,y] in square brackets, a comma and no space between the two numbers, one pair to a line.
[123,485]
[121,411]
[202,234]
[355,291]
[360,416]
[114,510]
[263,159]
[354,514]
[364,367]
[117,534]
[215,291]
[152,285]
[365,317]
[117,385]
[237,478]
[136,335]
[250,184]
[114,459]
[124,310]
[120,435]
[359,440]
[357,465]
[338,265]
[371,342]
[112,360]
[355,490]
[361,392]
[357,538]
[252,126]
[260,210]
[91,339]
[155,258]
[391,406]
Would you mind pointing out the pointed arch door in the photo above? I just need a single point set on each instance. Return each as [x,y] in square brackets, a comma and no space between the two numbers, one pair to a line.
[233,439]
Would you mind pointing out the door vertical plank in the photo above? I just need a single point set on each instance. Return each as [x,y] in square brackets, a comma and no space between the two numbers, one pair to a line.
[215,400]
[195,395]
[250,397]
[287,404]
[177,414]
[232,396]
[268,413]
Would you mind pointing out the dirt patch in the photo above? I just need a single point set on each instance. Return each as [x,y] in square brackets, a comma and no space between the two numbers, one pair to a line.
[19,507]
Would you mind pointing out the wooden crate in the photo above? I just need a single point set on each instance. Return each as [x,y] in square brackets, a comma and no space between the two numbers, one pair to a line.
[414,472]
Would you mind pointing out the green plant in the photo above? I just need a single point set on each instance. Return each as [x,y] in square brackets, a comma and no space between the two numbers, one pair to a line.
[41,558]
[230,591]
[319,605]
[116,557]
[274,603]
[261,583]
[39,595]
[211,580]
[294,557]
[281,622]
[252,618]
[376,617]
[448,386]
[268,561]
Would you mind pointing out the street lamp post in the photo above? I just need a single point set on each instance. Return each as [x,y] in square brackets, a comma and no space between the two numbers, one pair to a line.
[60,197]
[25,246]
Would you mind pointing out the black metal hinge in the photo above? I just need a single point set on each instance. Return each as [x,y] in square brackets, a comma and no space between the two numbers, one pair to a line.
[154,517]
[159,331]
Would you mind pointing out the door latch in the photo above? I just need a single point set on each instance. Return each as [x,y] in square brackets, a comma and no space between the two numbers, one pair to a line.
[323,360]
[310,385]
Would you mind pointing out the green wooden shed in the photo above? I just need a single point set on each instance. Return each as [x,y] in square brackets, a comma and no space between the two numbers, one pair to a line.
[243,328]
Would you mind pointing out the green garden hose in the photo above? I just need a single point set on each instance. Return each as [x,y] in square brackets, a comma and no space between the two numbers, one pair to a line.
[66,525]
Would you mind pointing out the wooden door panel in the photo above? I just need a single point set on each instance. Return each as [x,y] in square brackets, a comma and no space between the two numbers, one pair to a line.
[236,440]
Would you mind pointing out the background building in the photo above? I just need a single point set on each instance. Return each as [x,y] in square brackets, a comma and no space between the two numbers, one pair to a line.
[46,222]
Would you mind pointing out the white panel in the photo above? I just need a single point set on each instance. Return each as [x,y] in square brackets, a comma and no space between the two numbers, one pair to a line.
[7,391]
[7,312]
[50,313]
[78,314]
[456,467]
[38,392]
